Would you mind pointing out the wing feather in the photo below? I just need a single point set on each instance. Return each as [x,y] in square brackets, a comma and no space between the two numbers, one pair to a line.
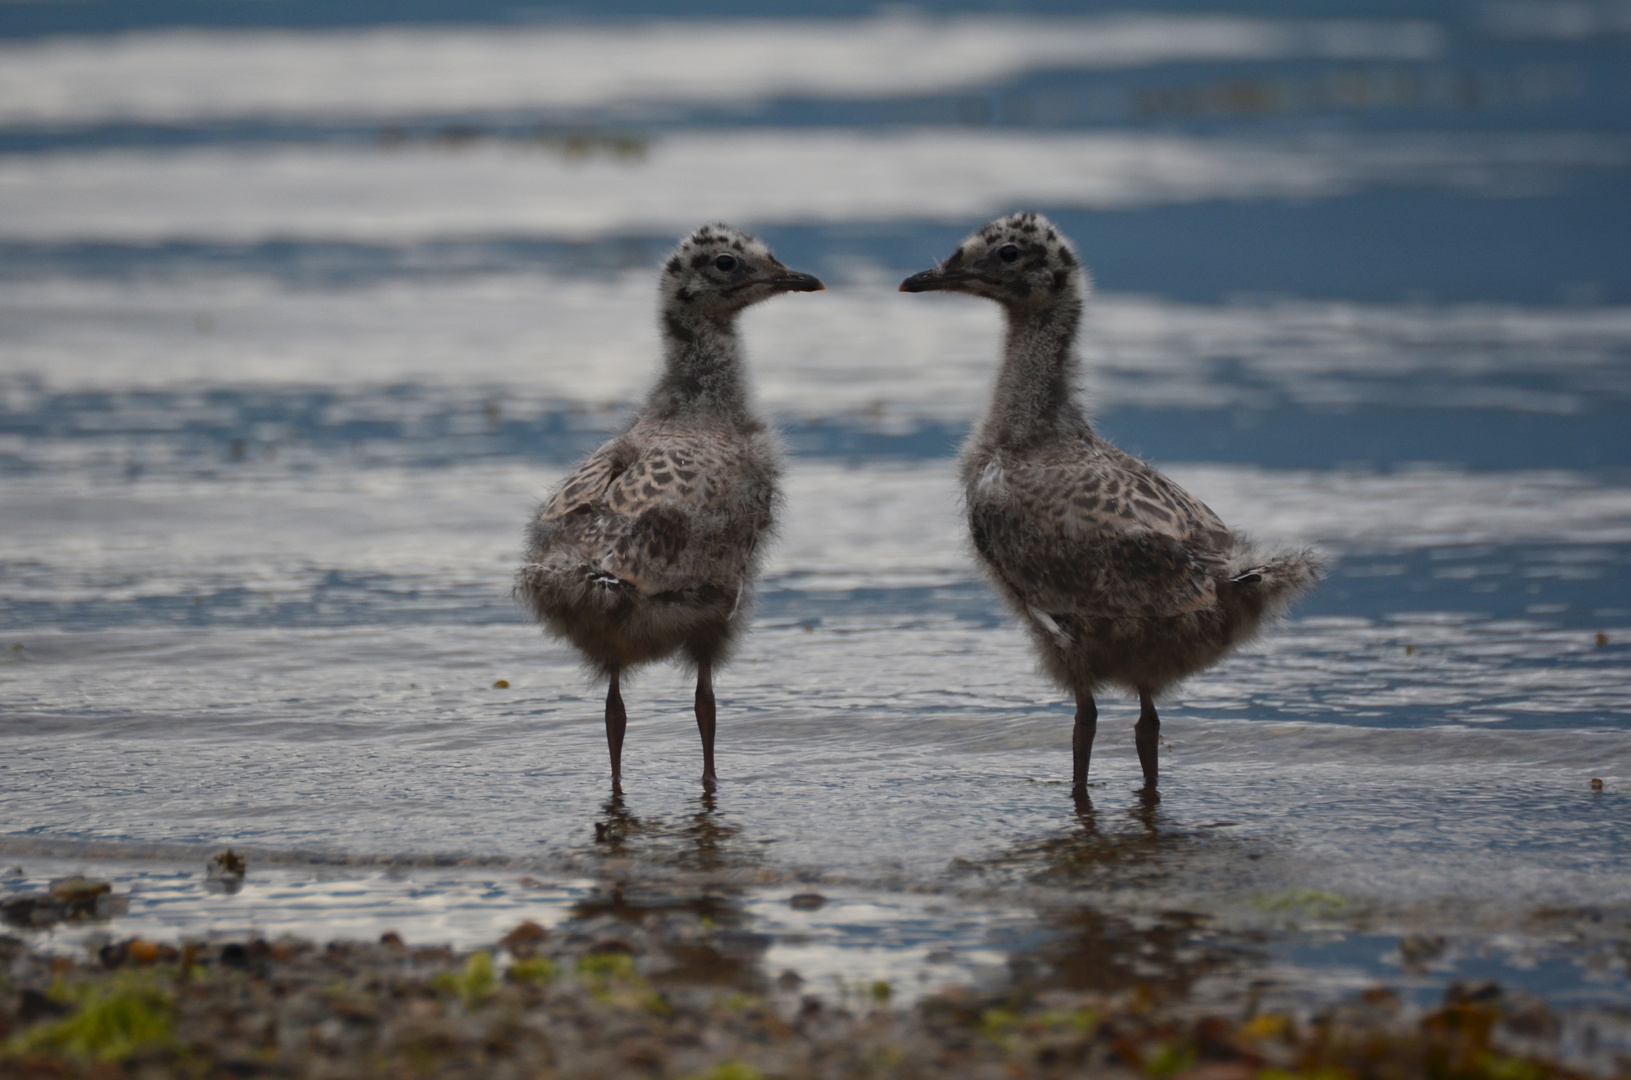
[1097,533]
[586,488]
[666,513]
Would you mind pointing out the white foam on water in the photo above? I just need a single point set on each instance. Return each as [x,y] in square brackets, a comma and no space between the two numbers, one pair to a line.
[453,535]
[191,76]
[417,193]
[544,341]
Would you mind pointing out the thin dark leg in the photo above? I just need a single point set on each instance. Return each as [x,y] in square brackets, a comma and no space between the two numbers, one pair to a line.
[705,718]
[1147,736]
[616,721]
[1081,741]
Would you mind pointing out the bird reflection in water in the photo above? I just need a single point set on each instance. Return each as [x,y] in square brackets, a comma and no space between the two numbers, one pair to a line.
[617,826]
[709,836]
[701,920]
[1096,949]
[702,841]
[1145,812]
[1094,849]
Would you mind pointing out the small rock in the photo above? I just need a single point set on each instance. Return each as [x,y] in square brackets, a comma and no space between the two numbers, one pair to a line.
[80,894]
[392,939]
[501,684]
[1419,949]
[31,909]
[806,901]
[286,949]
[1596,784]
[1602,639]
[524,940]
[142,952]
[1529,1015]
[1484,993]
[228,864]
[151,952]
[790,980]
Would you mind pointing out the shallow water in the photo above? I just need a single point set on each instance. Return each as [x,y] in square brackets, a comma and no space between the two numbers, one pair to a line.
[282,377]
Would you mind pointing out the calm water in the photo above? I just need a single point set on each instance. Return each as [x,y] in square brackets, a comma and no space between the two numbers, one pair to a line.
[291,345]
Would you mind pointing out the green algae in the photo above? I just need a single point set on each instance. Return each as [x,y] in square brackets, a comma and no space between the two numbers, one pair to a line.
[537,969]
[474,984]
[111,1022]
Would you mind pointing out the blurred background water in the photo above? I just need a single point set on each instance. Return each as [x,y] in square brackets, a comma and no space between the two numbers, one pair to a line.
[305,305]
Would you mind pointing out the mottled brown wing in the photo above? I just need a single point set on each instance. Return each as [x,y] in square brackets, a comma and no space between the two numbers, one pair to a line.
[674,472]
[1157,503]
[585,490]
[674,517]
[1098,537]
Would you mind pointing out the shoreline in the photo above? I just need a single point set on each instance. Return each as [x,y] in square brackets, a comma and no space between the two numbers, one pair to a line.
[674,973]
[674,994]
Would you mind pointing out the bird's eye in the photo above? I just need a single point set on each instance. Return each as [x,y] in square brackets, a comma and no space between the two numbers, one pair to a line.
[1008,252]
[725,262]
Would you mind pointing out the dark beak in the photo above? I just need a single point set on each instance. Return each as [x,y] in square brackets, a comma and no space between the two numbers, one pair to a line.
[793,281]
[935,280]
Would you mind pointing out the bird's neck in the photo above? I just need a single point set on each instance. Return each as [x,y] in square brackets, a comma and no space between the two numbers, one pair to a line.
[702,369]
[1035,394]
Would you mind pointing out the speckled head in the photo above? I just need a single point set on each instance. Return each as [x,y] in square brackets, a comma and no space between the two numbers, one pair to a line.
[1021,261]
[719,270]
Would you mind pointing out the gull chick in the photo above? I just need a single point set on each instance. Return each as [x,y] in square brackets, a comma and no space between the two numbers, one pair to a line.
[1122,577]
[652,547]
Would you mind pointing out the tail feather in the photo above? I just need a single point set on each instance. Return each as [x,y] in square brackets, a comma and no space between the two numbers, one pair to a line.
[1280,577]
